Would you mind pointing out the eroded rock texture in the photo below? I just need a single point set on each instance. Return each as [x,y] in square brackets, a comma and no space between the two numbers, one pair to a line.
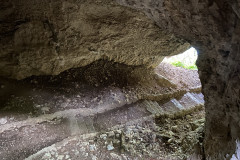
[213,28]
[63,117]
[46,38]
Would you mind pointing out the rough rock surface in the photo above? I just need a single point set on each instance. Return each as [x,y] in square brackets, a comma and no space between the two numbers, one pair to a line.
[46,38]
[61,117]
[135,140]
[213,28]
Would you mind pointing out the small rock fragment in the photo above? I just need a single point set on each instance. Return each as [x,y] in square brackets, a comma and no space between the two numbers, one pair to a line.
[3,120]
[110,147]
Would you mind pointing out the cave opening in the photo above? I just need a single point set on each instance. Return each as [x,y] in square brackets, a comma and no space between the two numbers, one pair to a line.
[82,80]
[131,110]
[181,69]
[186,59]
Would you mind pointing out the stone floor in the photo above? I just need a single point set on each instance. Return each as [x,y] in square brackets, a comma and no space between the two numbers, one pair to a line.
[86,122]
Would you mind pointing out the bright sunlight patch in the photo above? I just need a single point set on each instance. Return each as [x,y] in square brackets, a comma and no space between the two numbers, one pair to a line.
[186,59]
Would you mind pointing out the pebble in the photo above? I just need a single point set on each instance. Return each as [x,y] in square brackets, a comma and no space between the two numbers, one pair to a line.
[103,136]
[171,133]
[111,134]
[117,135]
[92,147]
[45,109]
[118,131]
[110,147]
[67,156]
[91,141]
[174,128]
[3,121]
[170,140]
[154,138]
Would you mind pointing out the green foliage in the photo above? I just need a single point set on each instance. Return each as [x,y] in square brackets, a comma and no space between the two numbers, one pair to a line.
[178,64]
[193,67]
[181,64]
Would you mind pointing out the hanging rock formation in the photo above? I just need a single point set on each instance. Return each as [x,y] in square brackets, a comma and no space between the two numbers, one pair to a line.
[42,38]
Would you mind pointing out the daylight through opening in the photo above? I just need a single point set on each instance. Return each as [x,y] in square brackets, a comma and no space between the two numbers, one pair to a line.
[186,59]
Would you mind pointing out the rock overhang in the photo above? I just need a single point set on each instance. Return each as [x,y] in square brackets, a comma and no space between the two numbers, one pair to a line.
[42,38]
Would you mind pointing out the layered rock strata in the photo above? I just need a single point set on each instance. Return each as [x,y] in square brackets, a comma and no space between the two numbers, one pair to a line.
[44,38]
[40,113]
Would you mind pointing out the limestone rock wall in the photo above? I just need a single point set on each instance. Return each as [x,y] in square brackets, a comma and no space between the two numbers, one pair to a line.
[213,28]
[46,38]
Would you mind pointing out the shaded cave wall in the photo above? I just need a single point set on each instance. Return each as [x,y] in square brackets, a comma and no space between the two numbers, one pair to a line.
[42,38]
[213,28]
[47,38]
